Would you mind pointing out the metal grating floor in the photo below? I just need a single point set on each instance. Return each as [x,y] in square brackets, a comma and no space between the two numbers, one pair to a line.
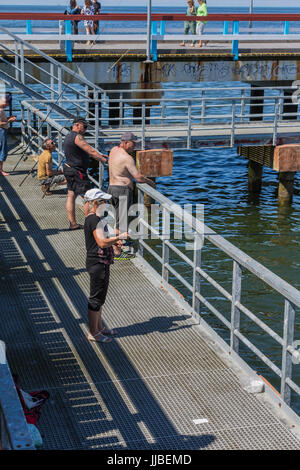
[144,390]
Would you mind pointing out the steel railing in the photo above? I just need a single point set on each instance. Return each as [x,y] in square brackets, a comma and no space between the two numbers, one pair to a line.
[227,23]
[242,263]
[187,119]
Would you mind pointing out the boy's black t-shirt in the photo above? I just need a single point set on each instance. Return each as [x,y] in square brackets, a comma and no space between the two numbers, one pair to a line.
[94,253]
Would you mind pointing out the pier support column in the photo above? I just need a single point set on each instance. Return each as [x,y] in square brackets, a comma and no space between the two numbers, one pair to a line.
[257,105]
[286,187]
[289,106]
[255,171]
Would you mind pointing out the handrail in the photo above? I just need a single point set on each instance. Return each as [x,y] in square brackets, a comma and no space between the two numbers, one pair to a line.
[52,61]
[241,261]
[290,294]
[155,17]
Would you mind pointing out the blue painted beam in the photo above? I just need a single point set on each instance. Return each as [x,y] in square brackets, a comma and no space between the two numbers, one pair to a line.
[68,44]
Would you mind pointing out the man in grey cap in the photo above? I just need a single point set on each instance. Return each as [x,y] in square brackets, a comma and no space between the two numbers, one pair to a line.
[122,173]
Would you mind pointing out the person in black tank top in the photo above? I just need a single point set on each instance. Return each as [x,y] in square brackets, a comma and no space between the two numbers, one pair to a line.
[78,152]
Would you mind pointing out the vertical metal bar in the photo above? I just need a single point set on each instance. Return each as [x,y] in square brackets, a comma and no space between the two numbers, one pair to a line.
[52,82]
[288,338]
[242,105]
[154,41]
[162,28]
[22,63]
[286,28]
[68,44]
[28,27]
[149,32]
[59,84]
[235,43]
[165,248]
[40,132]
[23,141]
[281,102]
[60,147]
[96,107]
[235,313]
[232,124]
[143,124]
[141,215]
[163,112]
[48,125]
[17,60]
[225,27]
[196,276]
[86,92]
[121,112]
[203,107]
[275,127]
[189,130]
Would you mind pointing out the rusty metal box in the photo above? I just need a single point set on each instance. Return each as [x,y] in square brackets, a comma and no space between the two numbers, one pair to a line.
[155,162]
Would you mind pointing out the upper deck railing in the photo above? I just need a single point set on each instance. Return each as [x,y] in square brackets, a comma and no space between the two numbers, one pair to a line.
[229,28]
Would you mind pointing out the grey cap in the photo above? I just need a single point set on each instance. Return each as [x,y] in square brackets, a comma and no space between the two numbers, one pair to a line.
[129,137]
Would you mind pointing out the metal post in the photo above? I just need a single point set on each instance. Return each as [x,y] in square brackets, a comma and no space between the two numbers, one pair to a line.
[162,28]
[141,215]
[154,41]
[96,108]
[165,248]
[22,63]
[17,60]
[275,122]
[203,107]
[28,27]
[242,105]
[68,44]
[250,11]
[148,60]
[232,124]
[235,313]
[288,338]
[235,43]
[59,85]
[198,242]
[143,124]
[189,130]
[52,82]
[286,29]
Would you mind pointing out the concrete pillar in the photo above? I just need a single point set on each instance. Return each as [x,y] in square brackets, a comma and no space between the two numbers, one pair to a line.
[255,171]
[257,105]
[286,187]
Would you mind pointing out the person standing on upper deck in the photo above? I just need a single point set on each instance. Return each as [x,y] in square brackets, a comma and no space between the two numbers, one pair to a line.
[190,26]
[74,9]
[87,10]
[96,7]
[78,153]
[201,11]
[4,121]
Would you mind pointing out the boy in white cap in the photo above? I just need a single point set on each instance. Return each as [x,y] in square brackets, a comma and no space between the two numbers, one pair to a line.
[100,255]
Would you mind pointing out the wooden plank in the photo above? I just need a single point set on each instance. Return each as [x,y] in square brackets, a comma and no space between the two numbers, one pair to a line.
[287,157]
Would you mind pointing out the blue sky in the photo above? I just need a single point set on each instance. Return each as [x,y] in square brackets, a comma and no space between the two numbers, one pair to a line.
[167,3]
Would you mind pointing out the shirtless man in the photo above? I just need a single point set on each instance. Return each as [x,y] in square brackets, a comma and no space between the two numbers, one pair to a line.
[122,172]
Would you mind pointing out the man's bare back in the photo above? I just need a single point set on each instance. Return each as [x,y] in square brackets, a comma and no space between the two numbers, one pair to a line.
[122,169]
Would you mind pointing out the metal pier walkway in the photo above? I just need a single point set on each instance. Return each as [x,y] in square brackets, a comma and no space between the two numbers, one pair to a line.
[142,391]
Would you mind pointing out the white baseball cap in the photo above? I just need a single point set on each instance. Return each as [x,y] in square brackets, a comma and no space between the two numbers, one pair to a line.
[95,193]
